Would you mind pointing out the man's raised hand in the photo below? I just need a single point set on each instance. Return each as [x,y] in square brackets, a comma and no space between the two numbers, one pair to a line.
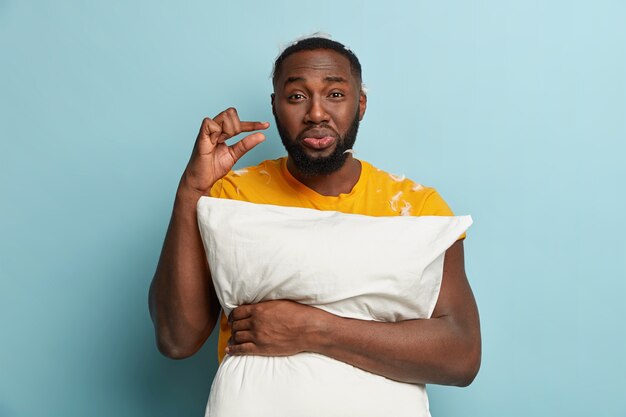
[212,158]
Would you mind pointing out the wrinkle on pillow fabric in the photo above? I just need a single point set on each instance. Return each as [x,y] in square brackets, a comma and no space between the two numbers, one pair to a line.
[369,268]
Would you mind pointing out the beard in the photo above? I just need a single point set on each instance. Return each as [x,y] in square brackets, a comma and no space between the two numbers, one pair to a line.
[323,165]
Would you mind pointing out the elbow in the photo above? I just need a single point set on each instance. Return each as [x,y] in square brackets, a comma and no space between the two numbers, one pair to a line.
[173,339]
[174,350]
[180,343]
[176,343]
[468,375]
[467,368]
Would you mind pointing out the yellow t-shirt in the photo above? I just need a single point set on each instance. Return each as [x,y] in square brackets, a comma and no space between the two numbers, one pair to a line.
[377,193]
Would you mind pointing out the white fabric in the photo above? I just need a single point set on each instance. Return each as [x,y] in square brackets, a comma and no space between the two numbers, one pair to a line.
[371,268]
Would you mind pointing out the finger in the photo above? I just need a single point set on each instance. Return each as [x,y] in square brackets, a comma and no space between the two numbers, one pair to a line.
[252,126]
[240,148]
[235,121]
[240,313]
[229,121]
[241,337]
[248,348]
[239,127]
[225,113]
[209,130]
[240,325]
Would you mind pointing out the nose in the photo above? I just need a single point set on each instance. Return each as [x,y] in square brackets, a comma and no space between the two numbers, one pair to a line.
[316,113]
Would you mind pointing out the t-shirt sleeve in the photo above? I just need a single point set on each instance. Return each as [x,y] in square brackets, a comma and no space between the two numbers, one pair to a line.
[225,187]
[435,205]
[216,190]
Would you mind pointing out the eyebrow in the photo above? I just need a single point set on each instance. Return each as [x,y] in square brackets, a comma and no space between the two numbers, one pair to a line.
[329,79]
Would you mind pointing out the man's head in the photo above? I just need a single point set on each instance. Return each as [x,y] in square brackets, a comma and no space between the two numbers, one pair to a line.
[318,103]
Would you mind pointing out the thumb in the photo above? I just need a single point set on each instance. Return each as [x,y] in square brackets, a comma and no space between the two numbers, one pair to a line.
[240,148]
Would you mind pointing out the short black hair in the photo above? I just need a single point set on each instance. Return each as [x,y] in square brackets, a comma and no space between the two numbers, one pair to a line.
[314,43]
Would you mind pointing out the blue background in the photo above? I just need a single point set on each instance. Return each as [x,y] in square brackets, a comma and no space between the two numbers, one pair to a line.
[514,110]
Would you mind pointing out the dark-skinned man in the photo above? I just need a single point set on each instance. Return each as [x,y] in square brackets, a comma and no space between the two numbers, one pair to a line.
[317,102]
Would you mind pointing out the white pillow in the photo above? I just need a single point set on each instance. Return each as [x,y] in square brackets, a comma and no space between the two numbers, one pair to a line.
[370,268]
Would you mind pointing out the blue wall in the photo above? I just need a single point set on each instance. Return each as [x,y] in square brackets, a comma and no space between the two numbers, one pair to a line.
[514,110]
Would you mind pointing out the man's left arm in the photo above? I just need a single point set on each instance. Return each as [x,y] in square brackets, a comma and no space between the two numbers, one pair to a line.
[444,349]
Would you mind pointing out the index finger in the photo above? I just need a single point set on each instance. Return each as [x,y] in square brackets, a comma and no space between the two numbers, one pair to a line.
[239,313]
[252,126]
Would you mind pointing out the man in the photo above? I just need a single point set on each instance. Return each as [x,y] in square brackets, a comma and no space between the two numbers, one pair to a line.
[317,102]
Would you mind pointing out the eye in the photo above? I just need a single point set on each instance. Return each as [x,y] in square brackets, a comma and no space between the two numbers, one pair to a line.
[295,97]
[336,94]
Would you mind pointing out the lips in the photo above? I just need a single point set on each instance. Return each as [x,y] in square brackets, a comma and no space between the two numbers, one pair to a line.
[318,139]
[319,143]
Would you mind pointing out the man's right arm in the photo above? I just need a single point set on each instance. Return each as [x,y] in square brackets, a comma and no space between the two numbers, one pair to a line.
[182,299]
[183,304]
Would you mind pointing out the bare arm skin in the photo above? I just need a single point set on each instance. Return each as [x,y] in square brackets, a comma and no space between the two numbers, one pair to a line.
[182,300]
[445,349]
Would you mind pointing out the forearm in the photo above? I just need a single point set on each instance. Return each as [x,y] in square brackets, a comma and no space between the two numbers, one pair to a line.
[445,349]
[437,350]
[183,304]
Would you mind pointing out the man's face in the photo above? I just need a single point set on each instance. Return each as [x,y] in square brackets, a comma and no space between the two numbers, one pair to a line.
[317,104]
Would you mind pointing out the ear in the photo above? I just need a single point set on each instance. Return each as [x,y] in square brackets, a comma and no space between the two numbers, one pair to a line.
[362,104]
[273,97]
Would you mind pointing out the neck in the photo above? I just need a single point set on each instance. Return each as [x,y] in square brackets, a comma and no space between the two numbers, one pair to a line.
[341,181]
